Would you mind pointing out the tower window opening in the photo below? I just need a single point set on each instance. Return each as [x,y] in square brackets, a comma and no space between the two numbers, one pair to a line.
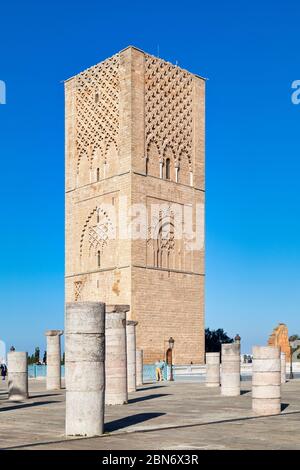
[98,174]
[99,259]
[168,168]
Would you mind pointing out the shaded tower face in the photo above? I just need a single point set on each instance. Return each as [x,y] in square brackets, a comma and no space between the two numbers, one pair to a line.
[135,197]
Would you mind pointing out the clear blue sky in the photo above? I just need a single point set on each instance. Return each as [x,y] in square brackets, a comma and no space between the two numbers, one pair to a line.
[250,56]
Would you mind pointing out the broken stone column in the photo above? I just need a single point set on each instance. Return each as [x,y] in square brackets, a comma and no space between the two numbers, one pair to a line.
[266,378]
[53,381]
[139,367]
[231,370]
[131,355]
[84,368]
[17,376]
[213,369]
[283,367]
[115,355]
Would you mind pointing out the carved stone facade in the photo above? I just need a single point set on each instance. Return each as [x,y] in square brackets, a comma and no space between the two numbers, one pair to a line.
[97,121]
[168,120]
[135,144]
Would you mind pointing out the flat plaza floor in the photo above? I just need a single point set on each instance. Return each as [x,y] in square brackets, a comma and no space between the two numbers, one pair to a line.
[174,416]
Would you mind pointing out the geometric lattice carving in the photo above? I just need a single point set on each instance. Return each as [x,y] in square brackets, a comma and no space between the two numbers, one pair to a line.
[78,285]
[162,237]
[99,233]
[98,236]
[97,109]
[168,108]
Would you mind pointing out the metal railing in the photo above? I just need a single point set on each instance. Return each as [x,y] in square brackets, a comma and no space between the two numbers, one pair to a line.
[35,371]
[39,371]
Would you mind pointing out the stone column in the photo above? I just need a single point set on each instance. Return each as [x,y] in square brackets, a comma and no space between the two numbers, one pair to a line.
[131,355]
[266,380]
[213,369]
[231,370]
[115,355]
[17,376]
[53,381]
[139,367]
[84,368]
[283,367]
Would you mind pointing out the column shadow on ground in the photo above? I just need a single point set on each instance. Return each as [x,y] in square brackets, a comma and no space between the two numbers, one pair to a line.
[27,405]
[130,421]
[135,419]
[46,395]
[140,389]
[148,397]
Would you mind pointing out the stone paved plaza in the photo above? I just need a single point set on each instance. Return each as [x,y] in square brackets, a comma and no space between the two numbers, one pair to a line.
[173,416]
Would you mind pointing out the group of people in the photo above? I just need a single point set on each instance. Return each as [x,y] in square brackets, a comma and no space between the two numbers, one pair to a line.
[159,369]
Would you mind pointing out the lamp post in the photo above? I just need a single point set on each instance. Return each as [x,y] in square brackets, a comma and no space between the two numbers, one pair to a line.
[291,361]
[294,346]
[171,346]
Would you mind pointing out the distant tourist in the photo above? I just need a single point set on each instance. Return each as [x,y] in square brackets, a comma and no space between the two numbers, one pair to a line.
[3,369]
[159,370]
[162,368]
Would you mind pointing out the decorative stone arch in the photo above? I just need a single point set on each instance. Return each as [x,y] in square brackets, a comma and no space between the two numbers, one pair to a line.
[185,162]
[162,246]
[98,162]
[169,162]
[83,169]
[102,241]
[153,158]
[111,159]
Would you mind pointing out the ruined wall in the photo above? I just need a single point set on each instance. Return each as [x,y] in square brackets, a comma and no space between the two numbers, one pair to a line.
[280,337]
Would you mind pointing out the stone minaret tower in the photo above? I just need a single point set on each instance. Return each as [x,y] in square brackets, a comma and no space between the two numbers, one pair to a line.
[135,146]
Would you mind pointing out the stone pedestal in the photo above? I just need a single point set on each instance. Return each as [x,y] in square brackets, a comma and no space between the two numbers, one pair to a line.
[53,381]
[17,376]
[131,355]
[213,369]
[283,367]
[84,368]
[231,370]
[115,355]
[266,380]
[139,367]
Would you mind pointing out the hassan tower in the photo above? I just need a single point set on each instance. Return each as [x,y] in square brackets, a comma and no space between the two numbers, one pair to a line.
[135,188]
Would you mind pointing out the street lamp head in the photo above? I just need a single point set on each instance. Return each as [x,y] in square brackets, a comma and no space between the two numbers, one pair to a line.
[171,343]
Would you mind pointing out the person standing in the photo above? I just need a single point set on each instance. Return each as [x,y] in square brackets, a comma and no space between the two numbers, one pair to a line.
[158,370]
[162,369]
[3,371]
